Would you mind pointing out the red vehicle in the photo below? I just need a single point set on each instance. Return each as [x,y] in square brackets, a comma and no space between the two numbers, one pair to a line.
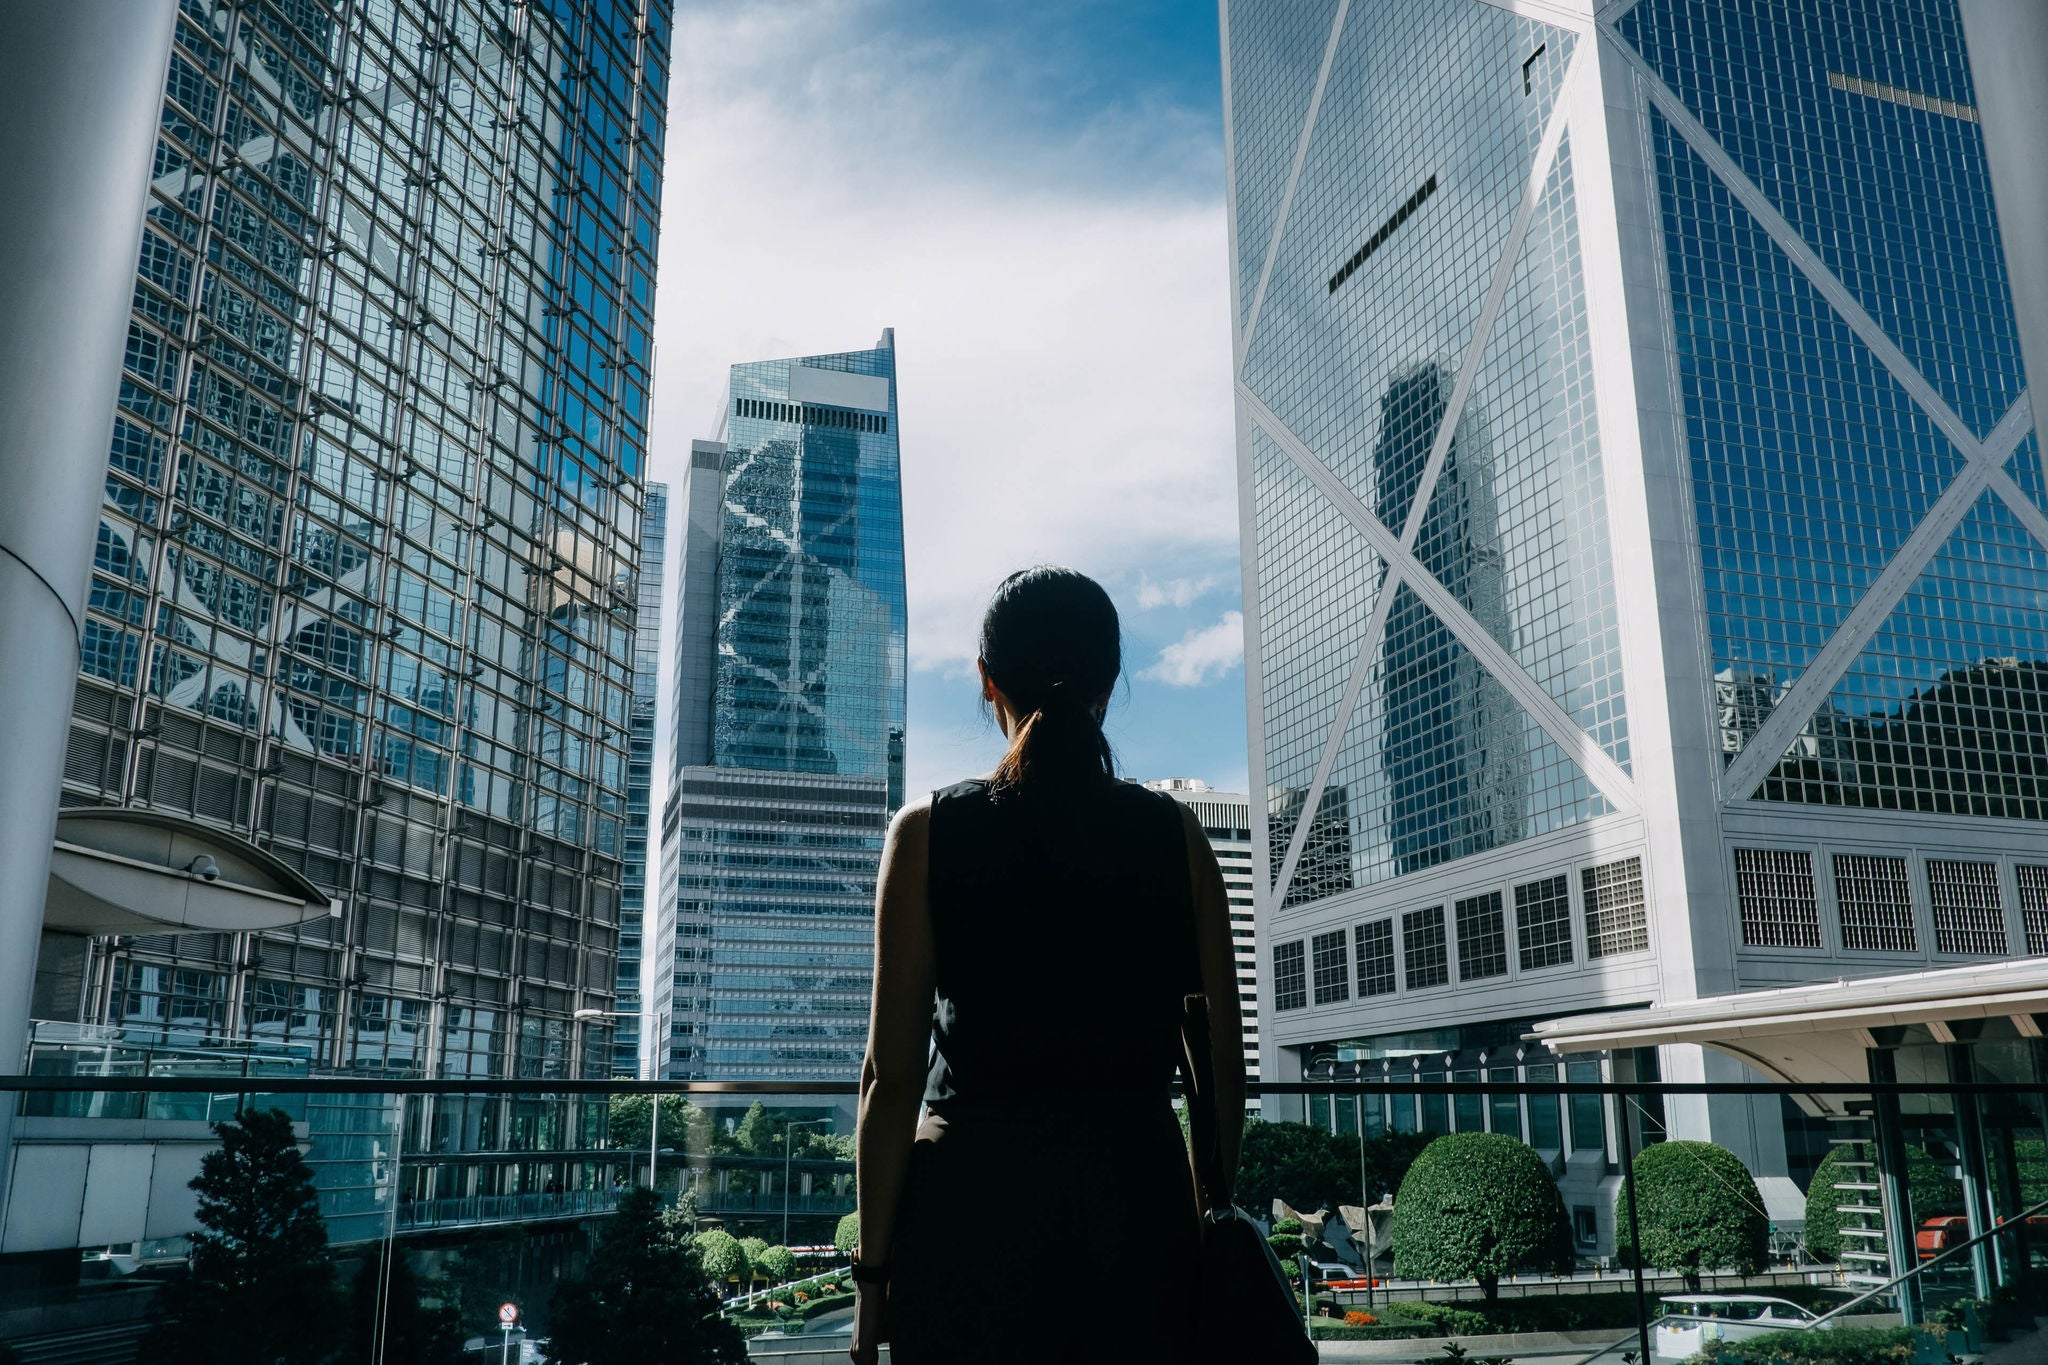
[1937,1235]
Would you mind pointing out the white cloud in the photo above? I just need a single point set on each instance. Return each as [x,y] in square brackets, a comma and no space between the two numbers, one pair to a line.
[1063,347]
[1201,655]
[1178,592]
[1060,300]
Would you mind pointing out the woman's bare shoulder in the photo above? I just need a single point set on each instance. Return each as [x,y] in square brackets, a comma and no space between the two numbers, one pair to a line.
[913,820]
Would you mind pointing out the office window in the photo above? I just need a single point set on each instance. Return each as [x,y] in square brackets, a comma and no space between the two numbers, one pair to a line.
[1615,917]
[1471,1108]
[1290,976]
[1774,892]
[1376,958]
[1543,922]
[1589,1112]
[1505,1107]
[1332,970]
[1482,938]
[2034,906]
[1424,950]
[1969,914]
[1436,1108]
[1545,1130]
[1875,900]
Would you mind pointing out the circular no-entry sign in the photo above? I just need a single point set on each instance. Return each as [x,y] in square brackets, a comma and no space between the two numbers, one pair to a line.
[508,1313]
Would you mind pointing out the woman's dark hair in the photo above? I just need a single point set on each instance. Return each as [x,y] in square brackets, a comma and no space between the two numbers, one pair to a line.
[1050,641]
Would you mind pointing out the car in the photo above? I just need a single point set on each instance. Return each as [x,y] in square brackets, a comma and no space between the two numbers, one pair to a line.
[1939,1234]
[1689,1321]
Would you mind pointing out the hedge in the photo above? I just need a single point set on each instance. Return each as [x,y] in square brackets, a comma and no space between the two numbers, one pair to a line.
[1827,1346]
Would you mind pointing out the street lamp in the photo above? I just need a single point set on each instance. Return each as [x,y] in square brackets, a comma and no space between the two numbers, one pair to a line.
[789,1149]
[653,1101]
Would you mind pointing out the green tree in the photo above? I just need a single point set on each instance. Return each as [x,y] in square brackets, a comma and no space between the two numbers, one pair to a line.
[413,1333]
[756,1248]
[778,1264]
[261,1289]
[846,1237]
[1699,1209]
[644,1300]
[1479,1206]
[1313,1168]
[759,1132]
[725,1260]
[1931,1189]
[684,1126]
[482,1275]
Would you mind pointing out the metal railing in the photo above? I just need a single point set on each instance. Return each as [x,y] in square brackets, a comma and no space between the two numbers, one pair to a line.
[206,1093]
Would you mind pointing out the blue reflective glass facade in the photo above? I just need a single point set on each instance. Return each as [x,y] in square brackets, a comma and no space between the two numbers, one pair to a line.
[646,924]
[1361,311]
[812,622]
[1645,518]
[368,562]
[1813,460]
[789,719]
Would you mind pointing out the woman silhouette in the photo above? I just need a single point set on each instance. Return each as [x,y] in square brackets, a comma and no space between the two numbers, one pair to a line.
[1035,933]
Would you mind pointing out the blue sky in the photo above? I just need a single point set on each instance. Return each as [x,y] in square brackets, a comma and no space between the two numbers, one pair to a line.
[1032,195]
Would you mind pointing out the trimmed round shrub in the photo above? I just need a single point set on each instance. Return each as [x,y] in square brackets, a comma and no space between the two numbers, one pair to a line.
[1699,1209]
[1931,1189]
[778,1264]
[846,1237]
[1477,1206]
[724,1258]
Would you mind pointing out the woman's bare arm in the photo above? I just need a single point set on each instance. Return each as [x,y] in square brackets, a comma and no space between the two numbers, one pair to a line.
[899,1029]
[1219,981]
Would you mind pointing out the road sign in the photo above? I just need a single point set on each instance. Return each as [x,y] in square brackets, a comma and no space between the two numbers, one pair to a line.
[508,1313]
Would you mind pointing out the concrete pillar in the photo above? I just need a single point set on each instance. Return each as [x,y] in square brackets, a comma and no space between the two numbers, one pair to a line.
[2008,42]
[81,88]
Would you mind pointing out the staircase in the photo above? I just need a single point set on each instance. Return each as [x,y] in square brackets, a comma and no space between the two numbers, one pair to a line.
[1866,1258]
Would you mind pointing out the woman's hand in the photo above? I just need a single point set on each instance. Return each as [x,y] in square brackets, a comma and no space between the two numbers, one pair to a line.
[870,1322]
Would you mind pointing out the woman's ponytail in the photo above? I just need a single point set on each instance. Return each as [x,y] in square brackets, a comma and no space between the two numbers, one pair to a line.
[1051,642]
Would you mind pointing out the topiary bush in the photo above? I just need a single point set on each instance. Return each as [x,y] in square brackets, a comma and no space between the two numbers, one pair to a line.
[778,1264]
[1931,1189]
[725,1260]
[1699,1209]
[846,1237]
[1477,1206]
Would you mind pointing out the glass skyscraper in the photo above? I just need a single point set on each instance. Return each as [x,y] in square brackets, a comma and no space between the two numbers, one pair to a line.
[370,553]
[789,717]
[646,923]
[1646,562]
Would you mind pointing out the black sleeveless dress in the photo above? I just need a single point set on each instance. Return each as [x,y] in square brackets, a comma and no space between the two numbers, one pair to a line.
[1049,1215]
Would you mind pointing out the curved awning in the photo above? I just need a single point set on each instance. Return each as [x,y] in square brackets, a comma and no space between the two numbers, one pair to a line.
[1821,1032]
[118,871]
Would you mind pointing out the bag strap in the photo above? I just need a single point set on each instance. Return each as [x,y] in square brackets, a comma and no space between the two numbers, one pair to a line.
[1205,1135]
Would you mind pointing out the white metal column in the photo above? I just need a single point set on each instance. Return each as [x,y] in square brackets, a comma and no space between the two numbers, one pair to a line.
[2008,42]
[81,88]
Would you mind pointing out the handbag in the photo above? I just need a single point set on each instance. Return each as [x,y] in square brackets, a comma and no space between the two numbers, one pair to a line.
[1247,1313]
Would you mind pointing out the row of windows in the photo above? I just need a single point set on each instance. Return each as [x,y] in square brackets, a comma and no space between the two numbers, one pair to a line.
[811,416]
[1542,1121]
[1615,914]
[1778,900]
